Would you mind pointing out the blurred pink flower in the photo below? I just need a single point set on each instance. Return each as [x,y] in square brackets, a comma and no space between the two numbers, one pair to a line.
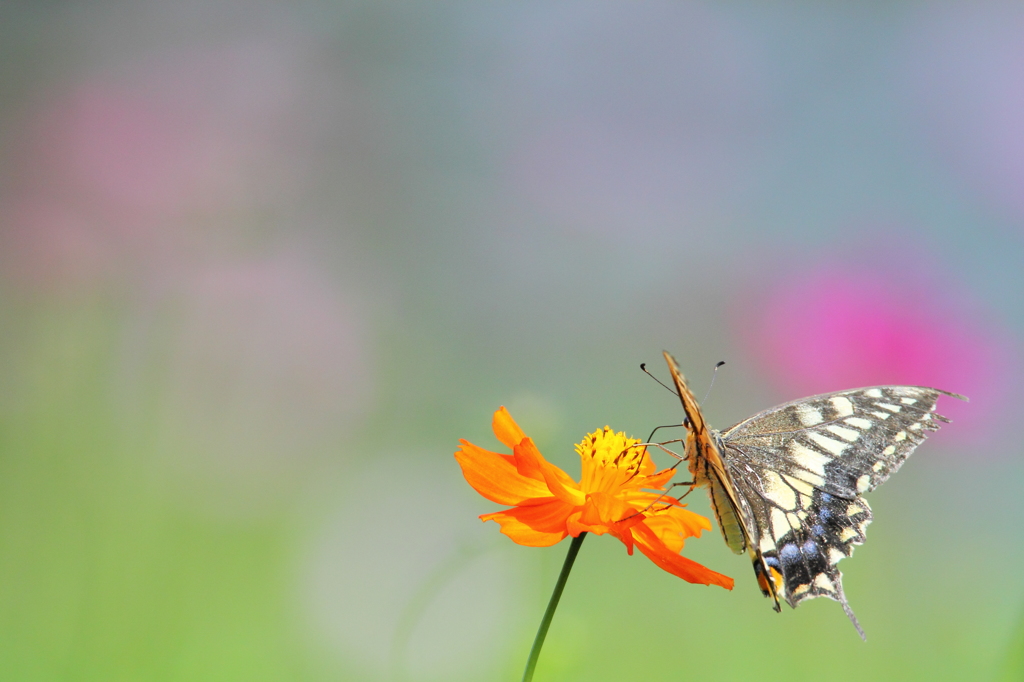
[134,172]
[126,149]
[843,326]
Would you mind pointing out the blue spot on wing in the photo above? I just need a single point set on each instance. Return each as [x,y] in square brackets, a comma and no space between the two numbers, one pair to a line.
[789,553]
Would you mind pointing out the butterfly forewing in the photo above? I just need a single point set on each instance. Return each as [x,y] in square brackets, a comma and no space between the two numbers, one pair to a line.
[796,473]
[862,435]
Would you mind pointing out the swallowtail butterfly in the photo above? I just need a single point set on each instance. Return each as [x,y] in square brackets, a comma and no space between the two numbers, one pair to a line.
[786,484]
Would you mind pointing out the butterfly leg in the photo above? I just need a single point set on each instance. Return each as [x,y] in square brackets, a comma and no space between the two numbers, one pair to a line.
[691,484]
[664,494]
[661,446]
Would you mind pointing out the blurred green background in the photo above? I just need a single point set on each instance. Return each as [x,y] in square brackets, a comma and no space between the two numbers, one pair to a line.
[263,264]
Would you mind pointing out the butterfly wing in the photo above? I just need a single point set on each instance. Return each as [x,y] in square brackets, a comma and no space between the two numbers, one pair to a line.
[798,471]
[709,469]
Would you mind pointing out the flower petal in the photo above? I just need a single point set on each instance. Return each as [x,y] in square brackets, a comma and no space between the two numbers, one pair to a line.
[506,429]
[495,476]
[531,463]
[663,557]
[647,465]
[656,481]
[672,526]
[575,527]
[605,509]
[541,524]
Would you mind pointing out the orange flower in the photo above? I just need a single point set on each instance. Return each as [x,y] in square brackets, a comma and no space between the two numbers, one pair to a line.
[547,504]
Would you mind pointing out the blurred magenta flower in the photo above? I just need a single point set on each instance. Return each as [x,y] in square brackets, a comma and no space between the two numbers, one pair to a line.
[843,326]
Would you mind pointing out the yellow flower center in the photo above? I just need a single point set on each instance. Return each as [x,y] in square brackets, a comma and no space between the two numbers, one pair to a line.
[609,461]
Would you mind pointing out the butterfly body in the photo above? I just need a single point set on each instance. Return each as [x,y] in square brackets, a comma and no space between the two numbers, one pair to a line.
[786,485]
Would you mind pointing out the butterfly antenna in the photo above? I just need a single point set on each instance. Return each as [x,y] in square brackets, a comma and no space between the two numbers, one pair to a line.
[643,368]
[711,385]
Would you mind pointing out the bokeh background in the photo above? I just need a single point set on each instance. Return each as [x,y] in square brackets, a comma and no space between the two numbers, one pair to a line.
[263,264]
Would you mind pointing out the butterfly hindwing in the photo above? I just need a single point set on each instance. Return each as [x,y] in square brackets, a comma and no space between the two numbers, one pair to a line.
[796,473]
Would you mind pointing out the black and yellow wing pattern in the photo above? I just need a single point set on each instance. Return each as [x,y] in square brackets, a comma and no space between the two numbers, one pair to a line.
[786,485]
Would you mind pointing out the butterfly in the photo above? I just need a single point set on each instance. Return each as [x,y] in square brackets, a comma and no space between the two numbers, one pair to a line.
[786,485]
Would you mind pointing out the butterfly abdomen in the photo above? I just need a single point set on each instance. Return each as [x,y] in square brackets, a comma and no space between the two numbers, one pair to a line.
[728,518]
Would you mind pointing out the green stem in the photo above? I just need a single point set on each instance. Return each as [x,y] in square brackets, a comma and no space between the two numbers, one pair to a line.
[545,622]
